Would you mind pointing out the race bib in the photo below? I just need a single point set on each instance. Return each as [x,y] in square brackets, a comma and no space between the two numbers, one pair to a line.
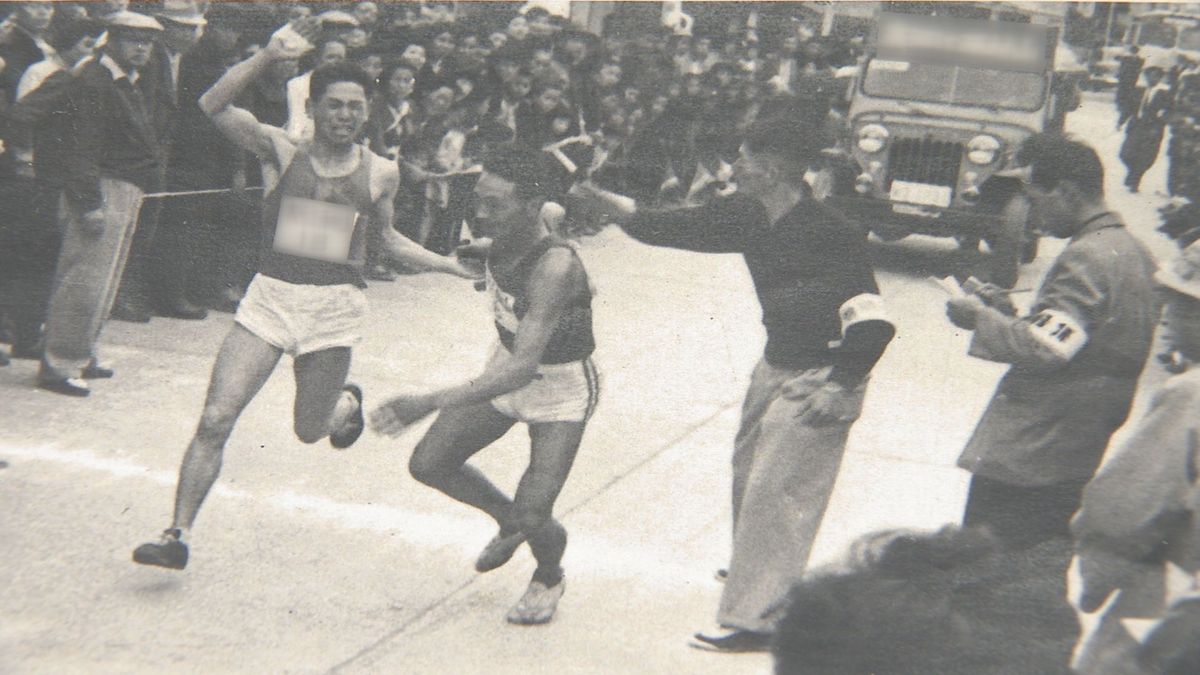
[313,229]
[1058,332]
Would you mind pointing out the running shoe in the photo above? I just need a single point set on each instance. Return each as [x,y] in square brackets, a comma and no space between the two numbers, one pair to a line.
[538,604]
[498,551]
[167,552]
[353,427]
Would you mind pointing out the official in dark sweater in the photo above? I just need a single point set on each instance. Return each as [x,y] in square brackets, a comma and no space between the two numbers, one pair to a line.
[826,329]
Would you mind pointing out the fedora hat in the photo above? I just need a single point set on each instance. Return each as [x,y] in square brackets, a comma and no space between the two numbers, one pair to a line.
[186,12]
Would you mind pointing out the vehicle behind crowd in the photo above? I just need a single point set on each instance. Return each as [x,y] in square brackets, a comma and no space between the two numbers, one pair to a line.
[937,110]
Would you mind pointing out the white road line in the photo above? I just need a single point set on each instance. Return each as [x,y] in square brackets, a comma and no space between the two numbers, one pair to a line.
[587,555]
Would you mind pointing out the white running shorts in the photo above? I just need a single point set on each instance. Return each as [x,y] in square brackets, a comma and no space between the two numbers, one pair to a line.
[302,318]
[566,392]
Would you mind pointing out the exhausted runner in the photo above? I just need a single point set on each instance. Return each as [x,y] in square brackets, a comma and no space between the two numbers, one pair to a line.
[307,298]
[541,373]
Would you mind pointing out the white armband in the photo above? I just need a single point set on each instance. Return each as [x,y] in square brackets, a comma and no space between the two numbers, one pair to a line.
[860,309]
[1058,332]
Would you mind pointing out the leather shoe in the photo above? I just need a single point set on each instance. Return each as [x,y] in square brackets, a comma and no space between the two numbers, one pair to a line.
[130,314]
[184,310]
[733,641]
[68,386]
[95,371]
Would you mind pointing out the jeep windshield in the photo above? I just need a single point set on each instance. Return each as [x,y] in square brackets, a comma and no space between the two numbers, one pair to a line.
[955,84]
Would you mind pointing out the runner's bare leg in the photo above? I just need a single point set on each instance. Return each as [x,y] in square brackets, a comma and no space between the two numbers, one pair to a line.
[553,446]
[440,459]
[243,364]
[320,377]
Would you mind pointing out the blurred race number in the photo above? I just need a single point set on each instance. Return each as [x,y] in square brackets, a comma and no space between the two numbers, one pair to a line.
[902,38]
[311,229]
[1058,332]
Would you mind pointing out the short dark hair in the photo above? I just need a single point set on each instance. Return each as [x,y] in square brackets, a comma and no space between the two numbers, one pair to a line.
[346,71]
[1054,158]
[795,136]
[67,33]
[954,601]
[527,169]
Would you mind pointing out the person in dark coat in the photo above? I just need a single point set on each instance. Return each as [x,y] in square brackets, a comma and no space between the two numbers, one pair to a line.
[1144,133]
[190,248]
[182,24]
[1128,72]
[117,157]
[25,45]
[33,132]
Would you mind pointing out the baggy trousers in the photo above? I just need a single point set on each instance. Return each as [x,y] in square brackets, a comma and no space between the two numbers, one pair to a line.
[783,474]
[87,277]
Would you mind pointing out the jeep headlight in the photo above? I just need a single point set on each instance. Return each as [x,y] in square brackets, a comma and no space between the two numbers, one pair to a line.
[872,138]
[983,150]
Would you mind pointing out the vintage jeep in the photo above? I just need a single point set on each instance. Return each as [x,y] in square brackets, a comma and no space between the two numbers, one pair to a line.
[937,109]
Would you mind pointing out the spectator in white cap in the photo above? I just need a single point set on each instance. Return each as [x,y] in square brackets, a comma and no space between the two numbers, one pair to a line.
[1138,533]
[117,157]
[182,23]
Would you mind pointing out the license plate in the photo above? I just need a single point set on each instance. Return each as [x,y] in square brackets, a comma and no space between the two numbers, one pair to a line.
[920,193]
[915,210]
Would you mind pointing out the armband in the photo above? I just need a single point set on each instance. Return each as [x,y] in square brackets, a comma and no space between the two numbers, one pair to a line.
[1058,332]
[860,309]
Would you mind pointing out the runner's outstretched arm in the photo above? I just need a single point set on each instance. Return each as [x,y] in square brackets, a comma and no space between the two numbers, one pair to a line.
[553,284]
[399,247]
[719,227]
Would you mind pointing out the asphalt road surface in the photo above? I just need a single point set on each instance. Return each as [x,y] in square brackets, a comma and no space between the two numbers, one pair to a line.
[306,559]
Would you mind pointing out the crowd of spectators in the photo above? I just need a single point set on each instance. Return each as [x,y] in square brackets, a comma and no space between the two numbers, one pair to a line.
[642,108]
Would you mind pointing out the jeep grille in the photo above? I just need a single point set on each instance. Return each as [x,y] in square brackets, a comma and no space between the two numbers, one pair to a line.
[924,160]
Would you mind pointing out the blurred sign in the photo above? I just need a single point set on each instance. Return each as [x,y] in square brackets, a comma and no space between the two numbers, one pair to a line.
[984,44]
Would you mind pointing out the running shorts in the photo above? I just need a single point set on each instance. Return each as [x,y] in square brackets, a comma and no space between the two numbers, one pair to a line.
[301,318]
[561,392]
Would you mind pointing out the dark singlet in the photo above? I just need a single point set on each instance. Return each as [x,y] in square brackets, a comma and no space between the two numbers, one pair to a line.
[572,339]
[314,228]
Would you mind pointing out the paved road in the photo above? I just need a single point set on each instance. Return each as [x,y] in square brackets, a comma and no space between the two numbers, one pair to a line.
[306,559]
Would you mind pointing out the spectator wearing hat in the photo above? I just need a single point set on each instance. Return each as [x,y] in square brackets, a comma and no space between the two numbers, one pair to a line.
[1138,531]
[183,23]
[1144,133]
[191,251]
[118,156]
